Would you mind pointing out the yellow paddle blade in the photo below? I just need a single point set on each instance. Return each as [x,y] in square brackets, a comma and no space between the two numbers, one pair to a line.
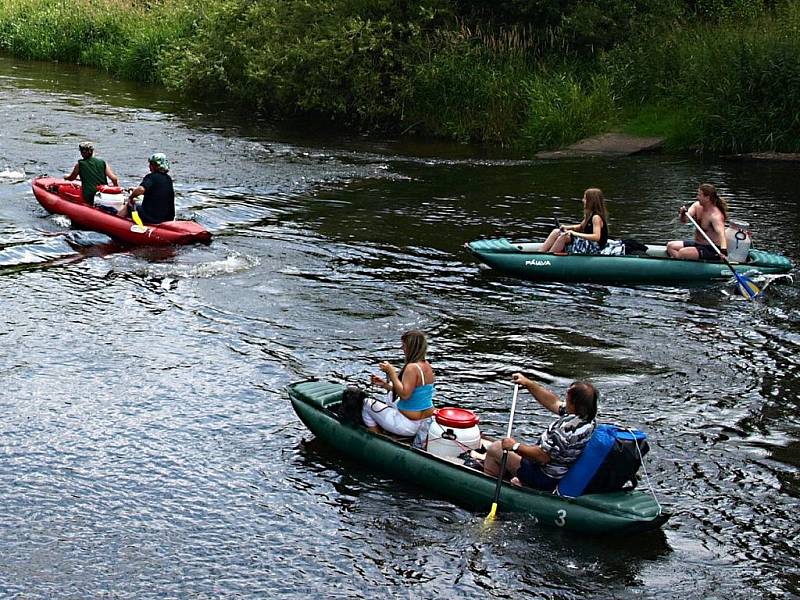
[748,288]
[492,513]
[136,218]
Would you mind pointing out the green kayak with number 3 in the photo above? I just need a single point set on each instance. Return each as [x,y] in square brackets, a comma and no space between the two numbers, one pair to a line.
[317,403]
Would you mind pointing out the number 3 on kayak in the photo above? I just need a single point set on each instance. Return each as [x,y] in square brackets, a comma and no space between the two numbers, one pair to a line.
[562,518]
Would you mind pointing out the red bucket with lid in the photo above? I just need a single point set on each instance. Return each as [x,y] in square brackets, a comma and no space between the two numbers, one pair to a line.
[460,418]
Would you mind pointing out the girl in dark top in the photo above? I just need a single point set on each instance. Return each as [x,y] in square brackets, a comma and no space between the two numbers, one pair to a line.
[587,237]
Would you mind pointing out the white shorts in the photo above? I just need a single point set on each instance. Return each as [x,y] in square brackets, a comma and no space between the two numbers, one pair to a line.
[386,415]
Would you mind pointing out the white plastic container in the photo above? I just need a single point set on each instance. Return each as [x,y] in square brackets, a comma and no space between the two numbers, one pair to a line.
[113,200]
[453,431]
[739,241]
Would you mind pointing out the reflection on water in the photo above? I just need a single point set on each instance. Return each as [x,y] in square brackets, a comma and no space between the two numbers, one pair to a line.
[149,449]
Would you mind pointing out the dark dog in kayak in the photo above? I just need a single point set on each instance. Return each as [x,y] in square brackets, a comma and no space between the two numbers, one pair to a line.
[352,402]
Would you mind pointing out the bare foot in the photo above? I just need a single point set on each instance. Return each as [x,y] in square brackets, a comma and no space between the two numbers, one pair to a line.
[516,481]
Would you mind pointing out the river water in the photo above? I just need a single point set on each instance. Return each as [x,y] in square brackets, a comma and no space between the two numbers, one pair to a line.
[147,446]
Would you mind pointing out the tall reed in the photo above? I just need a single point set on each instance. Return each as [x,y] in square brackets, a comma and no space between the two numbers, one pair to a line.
[736,84]
[124,38]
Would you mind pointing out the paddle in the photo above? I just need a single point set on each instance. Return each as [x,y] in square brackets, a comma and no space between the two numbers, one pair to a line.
[139,226]
[746,286]
[490,517]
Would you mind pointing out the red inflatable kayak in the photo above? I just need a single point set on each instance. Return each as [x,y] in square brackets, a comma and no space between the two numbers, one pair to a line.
[64,198]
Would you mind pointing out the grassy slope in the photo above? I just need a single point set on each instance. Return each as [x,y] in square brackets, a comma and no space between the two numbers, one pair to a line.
[723,87]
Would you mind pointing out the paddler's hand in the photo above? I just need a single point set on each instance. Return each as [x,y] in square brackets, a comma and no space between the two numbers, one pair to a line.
[375,380]
[508,443]
[520,379]
[387,368]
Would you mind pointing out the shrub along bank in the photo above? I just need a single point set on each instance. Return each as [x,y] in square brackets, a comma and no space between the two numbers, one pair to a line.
[716,75]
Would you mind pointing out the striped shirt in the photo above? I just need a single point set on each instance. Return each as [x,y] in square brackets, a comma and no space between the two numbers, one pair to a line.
[564,440]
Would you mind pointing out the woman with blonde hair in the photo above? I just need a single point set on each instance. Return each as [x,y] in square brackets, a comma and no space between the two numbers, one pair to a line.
[587,237]
[410,399]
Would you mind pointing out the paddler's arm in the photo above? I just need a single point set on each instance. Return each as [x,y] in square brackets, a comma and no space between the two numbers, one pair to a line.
[74,175]
[692,210]
[530,452]
[718,227]
[402,389]
[123,211]
[137,191]
[375,380]
[111,175]
[544,396]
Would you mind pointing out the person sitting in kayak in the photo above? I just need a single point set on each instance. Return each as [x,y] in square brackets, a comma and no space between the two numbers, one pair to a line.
[158,204]
[710,212]
[410,402]
[543,464]
[587,237]
[92,172]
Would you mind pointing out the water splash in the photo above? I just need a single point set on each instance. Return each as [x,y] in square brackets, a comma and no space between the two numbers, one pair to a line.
[12,175]
[234,263]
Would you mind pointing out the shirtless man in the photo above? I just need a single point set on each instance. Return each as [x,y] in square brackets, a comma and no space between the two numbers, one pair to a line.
[710,212]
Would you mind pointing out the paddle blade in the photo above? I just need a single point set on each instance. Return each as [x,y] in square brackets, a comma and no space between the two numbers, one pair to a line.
[747,287]
[492,514]
[136,218]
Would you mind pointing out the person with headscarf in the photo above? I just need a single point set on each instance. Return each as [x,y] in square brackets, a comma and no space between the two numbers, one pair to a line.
[158,202]
[92,172]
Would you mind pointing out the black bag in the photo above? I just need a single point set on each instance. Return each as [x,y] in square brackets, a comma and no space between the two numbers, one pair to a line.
[618,470]
[634,247]
[352,402]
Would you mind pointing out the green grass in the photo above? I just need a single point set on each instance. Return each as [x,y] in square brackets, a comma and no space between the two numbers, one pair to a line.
[732,87]
[123,38]
[717,85]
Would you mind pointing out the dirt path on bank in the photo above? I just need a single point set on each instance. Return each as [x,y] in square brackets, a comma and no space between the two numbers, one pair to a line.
[606,144]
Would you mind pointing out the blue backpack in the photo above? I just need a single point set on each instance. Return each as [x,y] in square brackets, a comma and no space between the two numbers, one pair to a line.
[609,462]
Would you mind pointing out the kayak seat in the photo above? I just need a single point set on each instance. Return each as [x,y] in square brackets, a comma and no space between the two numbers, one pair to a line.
[657,251]
[70,191]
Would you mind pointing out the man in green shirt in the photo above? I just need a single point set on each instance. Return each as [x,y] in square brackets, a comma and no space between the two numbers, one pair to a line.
[92,172]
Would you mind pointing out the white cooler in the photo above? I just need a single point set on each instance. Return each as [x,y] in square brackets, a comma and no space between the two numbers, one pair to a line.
[453,431]
[739,241]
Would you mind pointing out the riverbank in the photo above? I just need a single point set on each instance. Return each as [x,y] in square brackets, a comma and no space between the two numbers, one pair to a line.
[725,80]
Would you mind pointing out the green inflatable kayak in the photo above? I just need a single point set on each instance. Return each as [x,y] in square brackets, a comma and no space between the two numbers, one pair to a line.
[317,402]
[655,267]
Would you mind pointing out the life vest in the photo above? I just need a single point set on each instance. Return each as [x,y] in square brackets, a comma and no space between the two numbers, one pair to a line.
[608,462]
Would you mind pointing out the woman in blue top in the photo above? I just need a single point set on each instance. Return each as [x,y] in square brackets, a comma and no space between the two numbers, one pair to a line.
[410,401]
